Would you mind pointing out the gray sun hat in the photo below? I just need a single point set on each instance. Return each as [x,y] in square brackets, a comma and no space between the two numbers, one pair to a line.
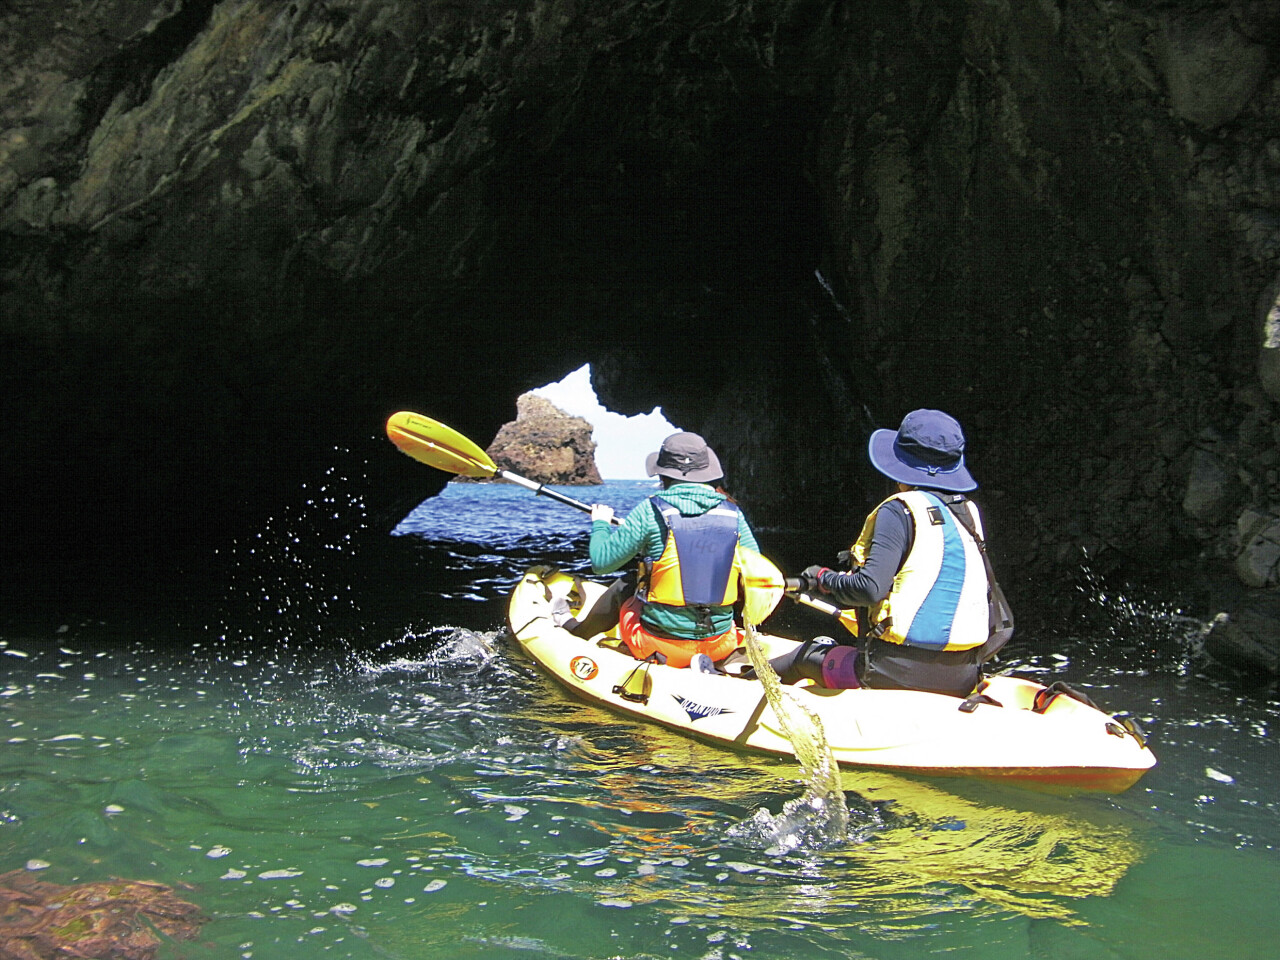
[684,456]
[926,451]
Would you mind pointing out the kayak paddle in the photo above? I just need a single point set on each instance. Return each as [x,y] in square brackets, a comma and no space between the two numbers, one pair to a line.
[848,618]
[431,442]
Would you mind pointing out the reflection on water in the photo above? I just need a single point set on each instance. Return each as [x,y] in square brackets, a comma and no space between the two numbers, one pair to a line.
[407,788]
[1006,856]
[919,848]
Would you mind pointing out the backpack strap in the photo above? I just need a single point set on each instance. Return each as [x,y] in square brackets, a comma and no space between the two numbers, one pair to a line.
[1000,616]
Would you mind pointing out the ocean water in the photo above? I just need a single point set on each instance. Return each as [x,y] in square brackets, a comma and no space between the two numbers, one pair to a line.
[328,766]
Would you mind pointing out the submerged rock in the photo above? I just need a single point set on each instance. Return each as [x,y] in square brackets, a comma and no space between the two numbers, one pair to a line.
[546,444]
[117,919]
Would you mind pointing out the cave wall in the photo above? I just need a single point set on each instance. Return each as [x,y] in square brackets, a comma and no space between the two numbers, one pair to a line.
[1064,227]
[235,235]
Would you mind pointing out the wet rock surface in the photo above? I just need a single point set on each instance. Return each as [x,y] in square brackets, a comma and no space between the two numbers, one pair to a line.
[235,235]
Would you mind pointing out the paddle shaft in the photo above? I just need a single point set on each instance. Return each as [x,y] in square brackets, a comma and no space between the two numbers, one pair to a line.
[796,594]
[542,490]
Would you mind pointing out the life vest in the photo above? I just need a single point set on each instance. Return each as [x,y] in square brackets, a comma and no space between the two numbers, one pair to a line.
[938,600]
[699,563]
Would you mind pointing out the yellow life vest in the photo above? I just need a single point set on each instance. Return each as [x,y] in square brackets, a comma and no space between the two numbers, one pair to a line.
[699,564]
[938,600]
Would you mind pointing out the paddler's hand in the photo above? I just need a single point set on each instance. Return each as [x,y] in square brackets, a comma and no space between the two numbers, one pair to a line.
[600,512]
[811,578]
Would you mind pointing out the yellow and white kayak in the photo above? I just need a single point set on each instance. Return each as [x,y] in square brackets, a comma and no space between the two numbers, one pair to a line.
[1066,742]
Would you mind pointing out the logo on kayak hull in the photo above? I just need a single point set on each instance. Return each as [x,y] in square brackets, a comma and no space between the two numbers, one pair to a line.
[584,668]
[698,711]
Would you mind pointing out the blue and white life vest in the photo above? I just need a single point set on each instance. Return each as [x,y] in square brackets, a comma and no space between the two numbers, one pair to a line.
[938,600]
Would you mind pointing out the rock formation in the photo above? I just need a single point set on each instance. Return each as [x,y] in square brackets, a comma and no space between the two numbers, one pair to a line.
[109,920]
[544,443]
[235,235]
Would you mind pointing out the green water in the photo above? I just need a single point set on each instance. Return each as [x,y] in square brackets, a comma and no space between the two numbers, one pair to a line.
[436,797]
[331,771]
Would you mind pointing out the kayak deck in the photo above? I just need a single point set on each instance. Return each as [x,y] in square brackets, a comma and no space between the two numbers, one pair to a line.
[1069,742]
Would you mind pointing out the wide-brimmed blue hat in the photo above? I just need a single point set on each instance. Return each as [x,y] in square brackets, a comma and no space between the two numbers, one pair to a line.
[926,451]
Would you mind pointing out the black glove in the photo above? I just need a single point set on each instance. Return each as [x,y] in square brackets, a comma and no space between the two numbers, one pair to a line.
[811,579]
[845,559]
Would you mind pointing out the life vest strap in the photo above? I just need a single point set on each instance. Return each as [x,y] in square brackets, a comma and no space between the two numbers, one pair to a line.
[636,686]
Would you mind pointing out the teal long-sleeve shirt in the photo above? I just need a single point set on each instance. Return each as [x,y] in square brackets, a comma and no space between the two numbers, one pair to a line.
[641,535]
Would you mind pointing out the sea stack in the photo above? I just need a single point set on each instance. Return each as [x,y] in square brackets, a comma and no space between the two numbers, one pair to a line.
[546,444]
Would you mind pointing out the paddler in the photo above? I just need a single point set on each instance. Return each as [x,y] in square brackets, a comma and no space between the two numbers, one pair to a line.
[686,538]
[929,610]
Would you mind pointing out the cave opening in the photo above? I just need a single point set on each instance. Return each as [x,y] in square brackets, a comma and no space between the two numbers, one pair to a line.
[622,441]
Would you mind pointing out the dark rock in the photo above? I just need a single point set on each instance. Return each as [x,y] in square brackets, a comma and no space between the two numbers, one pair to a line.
[1269,347]
[1211,65]
[235,236]
[545,444]
[1211,488]
[1258,561]
[1248,638]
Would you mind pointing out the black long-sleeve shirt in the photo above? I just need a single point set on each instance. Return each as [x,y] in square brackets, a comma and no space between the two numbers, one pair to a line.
[870,583]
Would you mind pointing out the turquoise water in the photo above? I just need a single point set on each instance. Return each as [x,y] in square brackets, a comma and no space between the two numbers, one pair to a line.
[328,772]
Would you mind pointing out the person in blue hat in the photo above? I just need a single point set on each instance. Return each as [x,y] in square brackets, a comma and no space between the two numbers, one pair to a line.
[919,578]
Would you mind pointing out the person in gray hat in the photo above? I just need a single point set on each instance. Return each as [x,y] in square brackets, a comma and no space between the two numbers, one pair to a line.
[919,577]
[686,540]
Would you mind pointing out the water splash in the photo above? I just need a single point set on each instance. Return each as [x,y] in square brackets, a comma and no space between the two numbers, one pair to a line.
[1152,633]
[293,577]
[435,651]
[819,817]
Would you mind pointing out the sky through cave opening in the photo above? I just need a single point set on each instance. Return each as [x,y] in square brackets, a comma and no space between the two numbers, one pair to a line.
[622,442]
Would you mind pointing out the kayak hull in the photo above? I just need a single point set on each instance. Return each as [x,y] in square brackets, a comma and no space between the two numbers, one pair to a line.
[1070,743]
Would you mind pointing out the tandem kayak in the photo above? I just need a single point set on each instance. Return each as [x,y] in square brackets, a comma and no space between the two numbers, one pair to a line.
[1017,729]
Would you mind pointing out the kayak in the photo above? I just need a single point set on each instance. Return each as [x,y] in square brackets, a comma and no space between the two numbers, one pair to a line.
[1012,728]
